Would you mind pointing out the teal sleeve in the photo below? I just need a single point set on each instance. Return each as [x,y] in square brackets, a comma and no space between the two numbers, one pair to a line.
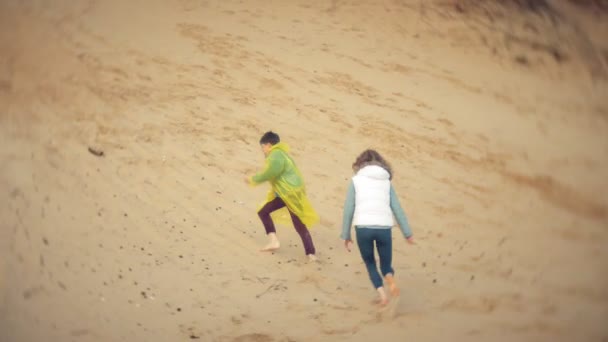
[274,167]
[349,210]
[399,214]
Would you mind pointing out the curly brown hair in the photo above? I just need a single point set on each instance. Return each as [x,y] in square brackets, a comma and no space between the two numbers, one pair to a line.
[371,157]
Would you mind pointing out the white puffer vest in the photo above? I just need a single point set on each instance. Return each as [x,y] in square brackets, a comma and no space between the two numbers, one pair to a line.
[372,197]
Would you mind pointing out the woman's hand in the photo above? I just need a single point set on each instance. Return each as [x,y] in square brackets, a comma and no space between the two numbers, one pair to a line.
[410,240]
[348,244]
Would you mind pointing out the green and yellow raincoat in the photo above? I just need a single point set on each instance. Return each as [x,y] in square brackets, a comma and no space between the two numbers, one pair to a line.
[287,183]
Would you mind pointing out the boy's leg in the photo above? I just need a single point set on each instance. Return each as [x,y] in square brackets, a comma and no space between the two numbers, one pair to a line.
[384,244]
[264,215]
[300,227]
[365,241]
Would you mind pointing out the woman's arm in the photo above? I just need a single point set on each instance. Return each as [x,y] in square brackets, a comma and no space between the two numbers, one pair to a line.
[349,210]
[400,214]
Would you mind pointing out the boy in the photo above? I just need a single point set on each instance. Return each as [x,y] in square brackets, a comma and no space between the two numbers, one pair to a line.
[287,193]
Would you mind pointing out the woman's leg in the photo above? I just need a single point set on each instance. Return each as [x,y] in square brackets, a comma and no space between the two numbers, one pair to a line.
[384,244]
[365,241]
[309,247]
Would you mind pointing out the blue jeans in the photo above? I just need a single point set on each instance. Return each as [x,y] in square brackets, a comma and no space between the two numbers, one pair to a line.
[384,243]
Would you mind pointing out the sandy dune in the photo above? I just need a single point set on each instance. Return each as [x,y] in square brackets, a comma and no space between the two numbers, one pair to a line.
[497,130]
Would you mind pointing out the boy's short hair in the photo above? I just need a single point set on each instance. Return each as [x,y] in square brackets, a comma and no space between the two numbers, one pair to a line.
[270,137]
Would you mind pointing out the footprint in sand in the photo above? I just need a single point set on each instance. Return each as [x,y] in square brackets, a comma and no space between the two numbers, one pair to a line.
[254,337]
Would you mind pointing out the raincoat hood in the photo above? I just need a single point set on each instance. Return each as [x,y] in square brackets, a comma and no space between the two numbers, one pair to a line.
[281,147]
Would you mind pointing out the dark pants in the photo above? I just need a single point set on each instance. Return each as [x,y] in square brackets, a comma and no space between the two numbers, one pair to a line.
[384,243]
[277,204]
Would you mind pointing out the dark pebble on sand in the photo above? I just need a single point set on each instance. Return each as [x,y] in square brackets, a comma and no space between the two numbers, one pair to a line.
[45,241]
[472,277]
[434,281]
[194,337]
[126,214]
[523,60]
[315,299]
[424,264]
[345,265]
[181,256]
[179,309]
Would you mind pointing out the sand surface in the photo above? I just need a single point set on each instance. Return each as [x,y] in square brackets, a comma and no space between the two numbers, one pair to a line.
[496,127]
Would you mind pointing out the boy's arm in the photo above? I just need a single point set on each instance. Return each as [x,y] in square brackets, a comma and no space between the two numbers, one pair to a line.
[274,167]
[349,210]
[400,214]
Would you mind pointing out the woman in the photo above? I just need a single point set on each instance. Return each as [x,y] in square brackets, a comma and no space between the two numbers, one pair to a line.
[370,204]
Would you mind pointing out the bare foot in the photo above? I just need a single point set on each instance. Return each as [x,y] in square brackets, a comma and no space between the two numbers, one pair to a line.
[380,302]
[312,258]
[392,286]
[394,290]
[382,299]
[271,247]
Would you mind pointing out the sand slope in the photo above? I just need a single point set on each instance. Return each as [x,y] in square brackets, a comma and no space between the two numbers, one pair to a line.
[500,151]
